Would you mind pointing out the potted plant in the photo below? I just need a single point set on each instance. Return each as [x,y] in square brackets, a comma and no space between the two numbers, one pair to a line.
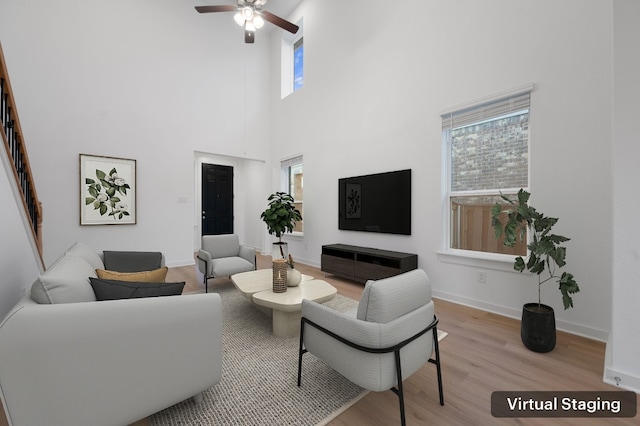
[280,217]
[546,256]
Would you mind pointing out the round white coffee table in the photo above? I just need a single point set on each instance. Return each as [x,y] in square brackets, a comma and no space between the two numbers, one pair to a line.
[285,308]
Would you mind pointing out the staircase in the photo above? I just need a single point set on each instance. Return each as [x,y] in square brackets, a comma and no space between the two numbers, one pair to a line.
[17,154]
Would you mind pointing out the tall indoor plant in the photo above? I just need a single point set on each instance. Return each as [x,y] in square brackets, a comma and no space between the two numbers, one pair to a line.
[280,216]
[546,256]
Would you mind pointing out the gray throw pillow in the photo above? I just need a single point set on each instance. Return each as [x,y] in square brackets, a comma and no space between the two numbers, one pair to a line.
[114,289]
[132,261]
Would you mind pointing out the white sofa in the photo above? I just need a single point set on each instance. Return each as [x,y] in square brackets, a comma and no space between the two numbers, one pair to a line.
[78,361]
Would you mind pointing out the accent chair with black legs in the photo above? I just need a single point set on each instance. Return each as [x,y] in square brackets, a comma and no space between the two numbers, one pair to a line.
[391,334]
[222,255]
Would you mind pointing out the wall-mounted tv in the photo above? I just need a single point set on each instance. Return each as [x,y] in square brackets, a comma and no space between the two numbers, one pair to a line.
[376,203]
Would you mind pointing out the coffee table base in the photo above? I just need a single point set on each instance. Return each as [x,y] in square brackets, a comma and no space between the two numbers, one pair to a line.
[285,324]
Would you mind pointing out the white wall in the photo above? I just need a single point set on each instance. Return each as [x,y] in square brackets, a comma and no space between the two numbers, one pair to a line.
[148,80]
[19,261]
[375,84]
[623,346]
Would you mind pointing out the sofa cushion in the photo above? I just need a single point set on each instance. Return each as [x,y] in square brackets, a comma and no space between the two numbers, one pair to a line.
[87,253]
[230,265]
[131,261]
[115,289]
[155,276]
[66,281]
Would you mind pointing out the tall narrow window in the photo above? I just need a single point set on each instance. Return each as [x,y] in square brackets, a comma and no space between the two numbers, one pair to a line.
[292,61]
[487,154]
[293,184]
[298,64]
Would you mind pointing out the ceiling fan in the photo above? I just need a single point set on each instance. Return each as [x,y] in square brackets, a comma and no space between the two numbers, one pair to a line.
[249,14]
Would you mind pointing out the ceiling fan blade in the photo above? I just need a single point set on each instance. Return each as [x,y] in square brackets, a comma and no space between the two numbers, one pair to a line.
[282,23]
[222,8]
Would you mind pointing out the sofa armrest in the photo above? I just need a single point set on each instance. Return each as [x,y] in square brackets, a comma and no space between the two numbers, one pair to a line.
[204,262]
[109,362]
[248,253]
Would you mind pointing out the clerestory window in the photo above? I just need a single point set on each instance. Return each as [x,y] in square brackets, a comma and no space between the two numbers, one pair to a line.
[292,61]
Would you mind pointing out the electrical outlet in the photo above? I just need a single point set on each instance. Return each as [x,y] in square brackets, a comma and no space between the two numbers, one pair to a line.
[482,277]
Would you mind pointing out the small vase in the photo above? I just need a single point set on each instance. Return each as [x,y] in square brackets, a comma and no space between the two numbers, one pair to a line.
[293,277]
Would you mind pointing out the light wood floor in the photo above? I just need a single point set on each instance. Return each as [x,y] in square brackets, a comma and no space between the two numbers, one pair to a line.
[483,353]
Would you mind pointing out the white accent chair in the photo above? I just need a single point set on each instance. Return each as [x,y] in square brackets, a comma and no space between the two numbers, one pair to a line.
[391,334]
[222,255]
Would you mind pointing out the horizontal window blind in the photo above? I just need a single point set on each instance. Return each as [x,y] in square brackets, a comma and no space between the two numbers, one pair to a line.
[291,161]
[486,111]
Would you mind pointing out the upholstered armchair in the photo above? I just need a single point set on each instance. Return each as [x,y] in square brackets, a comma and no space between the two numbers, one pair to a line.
[222,255]
[391,334]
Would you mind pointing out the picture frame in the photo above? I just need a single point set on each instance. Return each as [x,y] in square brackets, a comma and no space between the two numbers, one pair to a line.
[107,190]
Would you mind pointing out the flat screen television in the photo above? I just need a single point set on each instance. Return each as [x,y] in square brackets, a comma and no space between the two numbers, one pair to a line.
[376,203]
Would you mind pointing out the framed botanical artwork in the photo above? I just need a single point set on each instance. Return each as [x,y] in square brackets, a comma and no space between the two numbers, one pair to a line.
[107,190]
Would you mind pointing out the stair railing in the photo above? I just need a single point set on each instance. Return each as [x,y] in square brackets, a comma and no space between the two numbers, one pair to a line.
[12,140]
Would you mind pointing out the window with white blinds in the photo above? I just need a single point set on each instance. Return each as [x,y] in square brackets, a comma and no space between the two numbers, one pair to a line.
[486,110]
[487,154]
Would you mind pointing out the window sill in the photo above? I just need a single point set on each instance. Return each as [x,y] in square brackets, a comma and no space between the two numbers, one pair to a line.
[476,259]
[293,236]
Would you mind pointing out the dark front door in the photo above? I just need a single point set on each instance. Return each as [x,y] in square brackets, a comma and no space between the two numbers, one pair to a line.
[217,199]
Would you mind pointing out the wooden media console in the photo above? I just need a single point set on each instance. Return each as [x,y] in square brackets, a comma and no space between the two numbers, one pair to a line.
[363,263]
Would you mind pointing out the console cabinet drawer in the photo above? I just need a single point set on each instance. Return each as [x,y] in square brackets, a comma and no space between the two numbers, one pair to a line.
[337,265]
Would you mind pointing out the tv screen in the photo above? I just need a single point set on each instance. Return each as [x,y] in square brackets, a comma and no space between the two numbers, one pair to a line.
[376,203]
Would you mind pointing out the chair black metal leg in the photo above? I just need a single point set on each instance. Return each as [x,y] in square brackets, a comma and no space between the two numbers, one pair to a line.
[436,348]
[399,391]
[300,351]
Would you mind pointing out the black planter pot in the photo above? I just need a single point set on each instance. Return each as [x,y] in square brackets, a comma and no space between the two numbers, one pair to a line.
[538,327]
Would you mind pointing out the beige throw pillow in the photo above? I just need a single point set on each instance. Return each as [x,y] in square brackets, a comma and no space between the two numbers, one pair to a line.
[155,276]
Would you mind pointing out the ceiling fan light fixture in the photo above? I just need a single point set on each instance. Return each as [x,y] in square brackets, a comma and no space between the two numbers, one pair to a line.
[258,21]
[249,26]
[239,19]
[247,13]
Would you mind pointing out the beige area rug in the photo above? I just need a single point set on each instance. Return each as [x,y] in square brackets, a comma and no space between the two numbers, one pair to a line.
[259,376]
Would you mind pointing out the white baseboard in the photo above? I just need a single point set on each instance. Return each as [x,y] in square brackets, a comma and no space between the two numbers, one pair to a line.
[621,380]
[569,327]
[178,263]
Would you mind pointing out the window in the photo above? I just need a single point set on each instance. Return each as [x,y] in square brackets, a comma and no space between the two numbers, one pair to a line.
[298,64]
[292,183]
[292,61]
[487,153]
